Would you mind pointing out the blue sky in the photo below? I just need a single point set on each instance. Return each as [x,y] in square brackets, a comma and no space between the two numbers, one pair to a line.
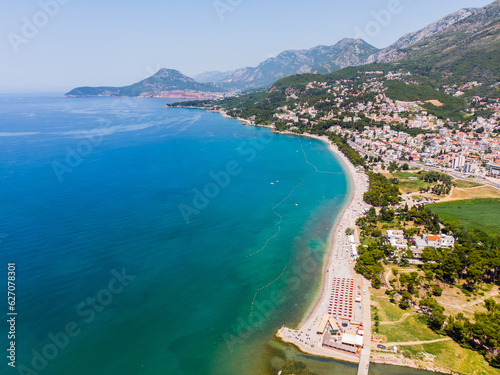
[47,47]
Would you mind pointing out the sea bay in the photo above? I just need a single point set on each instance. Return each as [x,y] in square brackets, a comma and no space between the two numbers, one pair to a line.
[153,240]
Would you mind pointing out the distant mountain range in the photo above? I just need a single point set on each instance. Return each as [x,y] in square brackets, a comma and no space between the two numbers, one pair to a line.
[320,59]
[170,83]
[466,39]
[212,76]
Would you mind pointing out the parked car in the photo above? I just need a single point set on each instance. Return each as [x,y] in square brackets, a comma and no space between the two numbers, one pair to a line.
[380,346]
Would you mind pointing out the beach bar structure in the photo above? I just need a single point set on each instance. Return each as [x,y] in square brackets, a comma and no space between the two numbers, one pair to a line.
[347,343]
[323,324]
[354,250]
[335,327]
[329,323]
[352,340]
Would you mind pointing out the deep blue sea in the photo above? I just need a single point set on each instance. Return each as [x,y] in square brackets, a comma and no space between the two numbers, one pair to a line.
[150,240]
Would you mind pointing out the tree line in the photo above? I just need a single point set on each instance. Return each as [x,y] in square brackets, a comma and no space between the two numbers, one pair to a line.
[381,192]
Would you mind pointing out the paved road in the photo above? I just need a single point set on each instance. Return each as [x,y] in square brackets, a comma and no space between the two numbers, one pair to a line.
[364,360]
[455,174]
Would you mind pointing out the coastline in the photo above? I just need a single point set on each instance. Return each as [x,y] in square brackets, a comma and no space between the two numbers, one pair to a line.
[358,185]
[351,173]
[357,189]
[338,267]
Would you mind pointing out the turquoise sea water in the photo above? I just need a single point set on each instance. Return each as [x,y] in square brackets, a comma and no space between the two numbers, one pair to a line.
[150,240]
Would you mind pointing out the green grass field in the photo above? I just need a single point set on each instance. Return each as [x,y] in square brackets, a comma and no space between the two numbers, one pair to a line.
[447,354]
[413,328]
[465,184]
[387,311]
[406,185]
[451,355]
[471,213]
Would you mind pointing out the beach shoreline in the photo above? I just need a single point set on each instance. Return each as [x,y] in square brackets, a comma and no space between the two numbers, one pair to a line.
[343,267]
[307,327]
[356,189]
[338,219]
[357,186]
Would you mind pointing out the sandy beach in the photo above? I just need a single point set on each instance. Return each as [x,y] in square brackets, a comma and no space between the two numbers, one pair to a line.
[338,264]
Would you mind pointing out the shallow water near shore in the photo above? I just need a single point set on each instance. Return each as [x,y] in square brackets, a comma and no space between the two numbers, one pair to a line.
[328,366]
[150,240]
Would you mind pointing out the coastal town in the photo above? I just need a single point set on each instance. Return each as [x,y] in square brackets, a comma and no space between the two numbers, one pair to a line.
[340,324]
[471,147]
[430,147]
[410,275]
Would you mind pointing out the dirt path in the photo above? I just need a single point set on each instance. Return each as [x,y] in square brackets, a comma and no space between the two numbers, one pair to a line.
[470,188]
[386,277]
[409,343]
[466,306]
[486,296]
[397,321]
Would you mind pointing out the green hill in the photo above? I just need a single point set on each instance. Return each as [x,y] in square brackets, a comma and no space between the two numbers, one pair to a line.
[451,108]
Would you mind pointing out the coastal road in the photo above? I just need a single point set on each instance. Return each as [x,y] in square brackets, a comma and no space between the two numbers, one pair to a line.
[364,360]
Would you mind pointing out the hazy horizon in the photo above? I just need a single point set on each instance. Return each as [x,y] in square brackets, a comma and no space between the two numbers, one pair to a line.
[56,45]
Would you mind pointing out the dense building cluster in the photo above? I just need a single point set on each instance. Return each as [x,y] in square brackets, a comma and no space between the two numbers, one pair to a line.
[400,130]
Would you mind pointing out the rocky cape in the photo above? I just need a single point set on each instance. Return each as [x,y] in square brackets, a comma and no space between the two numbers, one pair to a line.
[166,83]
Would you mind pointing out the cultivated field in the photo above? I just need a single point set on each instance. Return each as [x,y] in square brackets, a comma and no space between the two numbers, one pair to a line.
[481,214]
